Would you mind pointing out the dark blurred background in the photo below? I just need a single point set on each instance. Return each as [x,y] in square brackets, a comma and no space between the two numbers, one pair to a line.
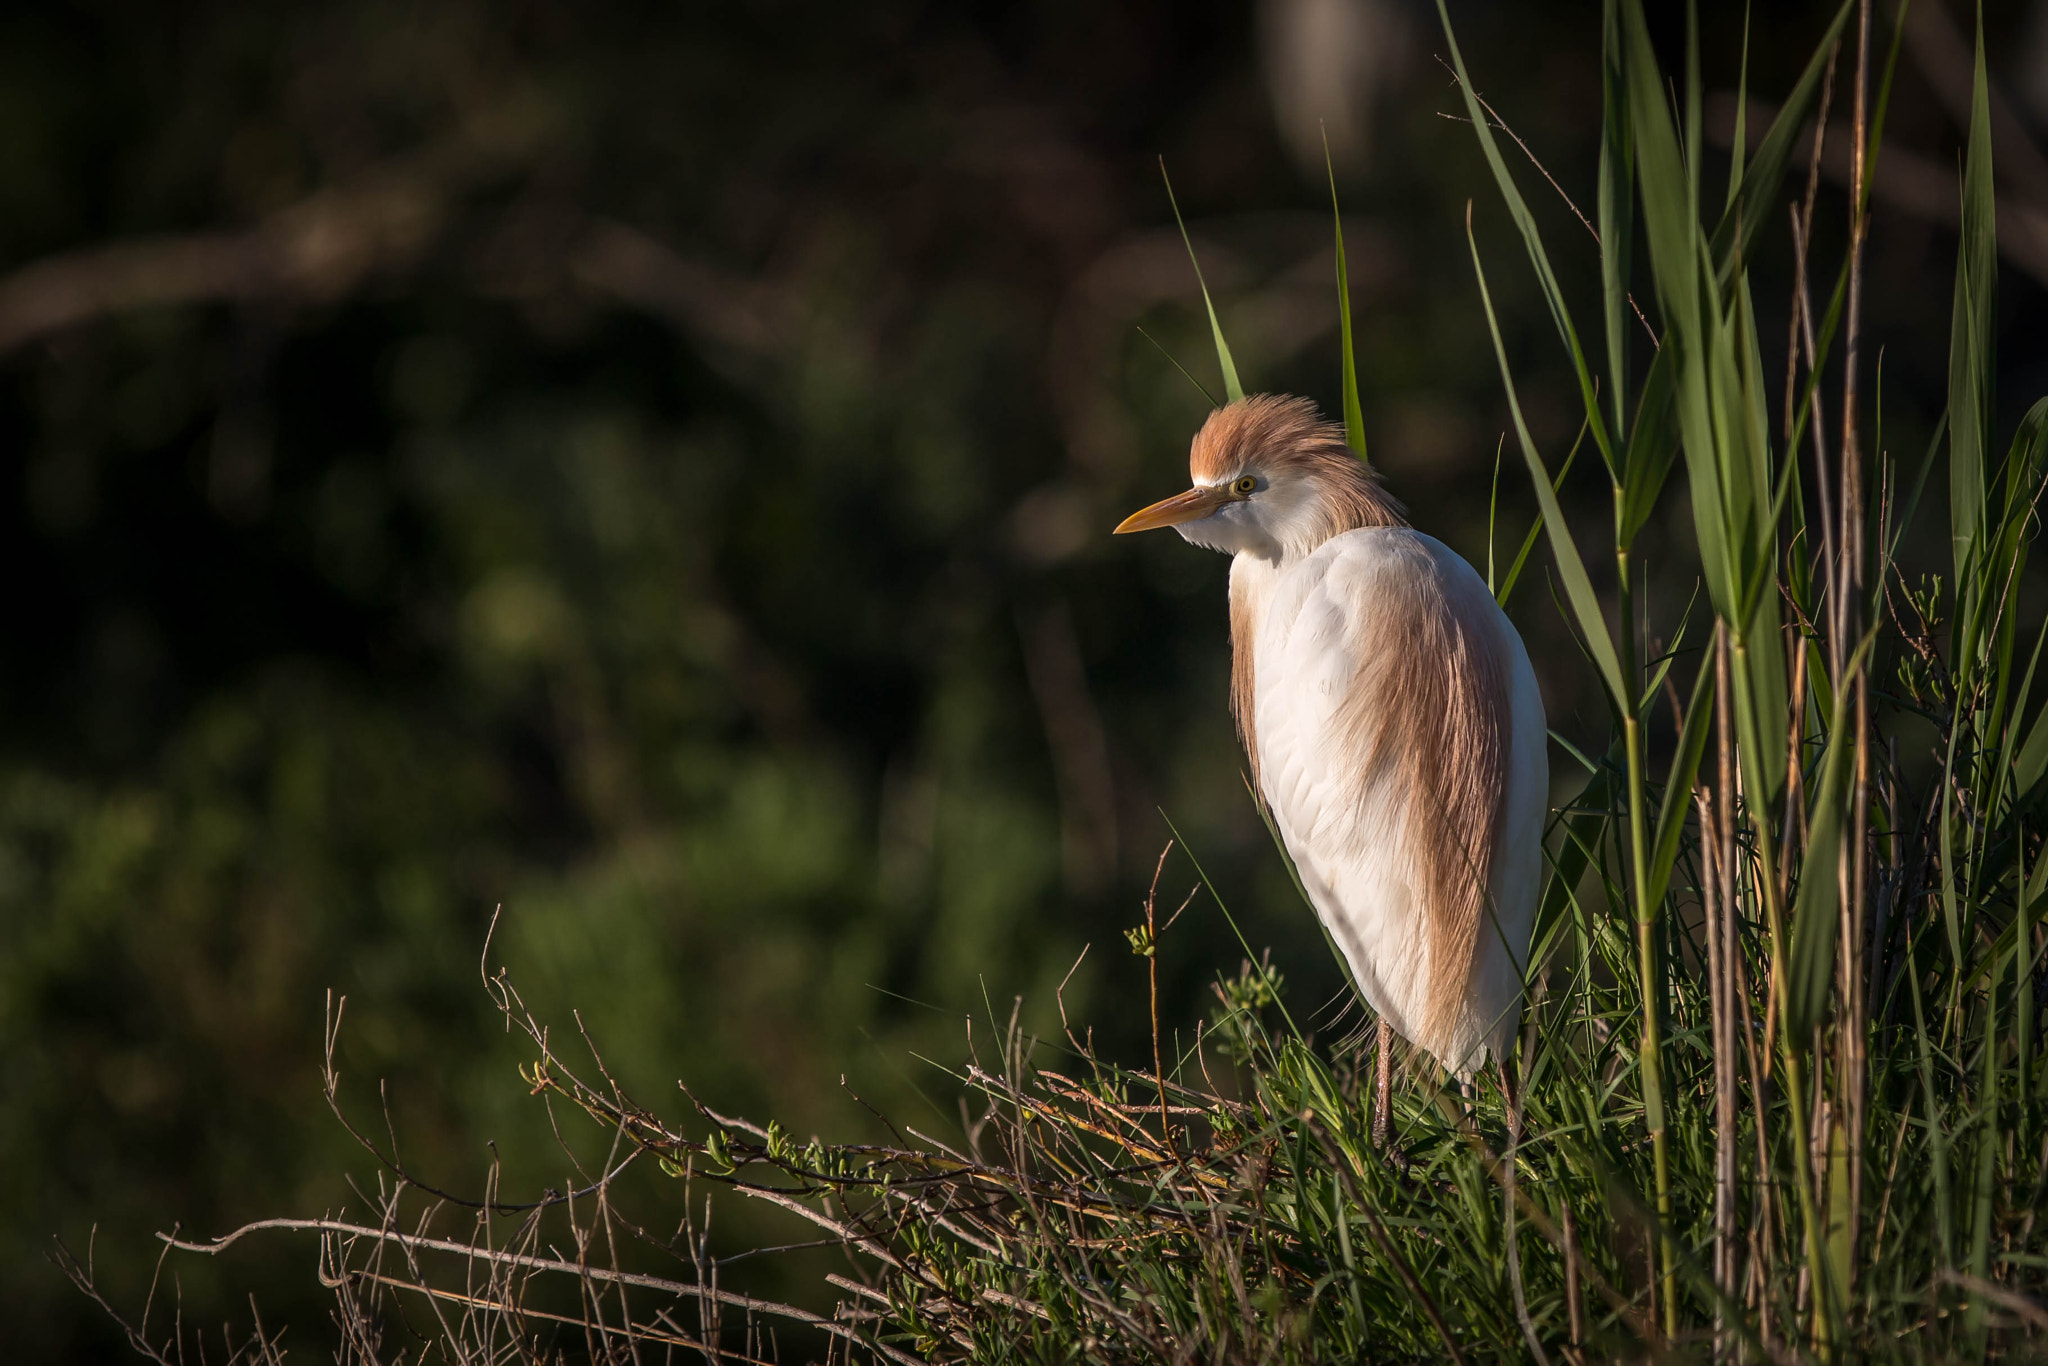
[649,468]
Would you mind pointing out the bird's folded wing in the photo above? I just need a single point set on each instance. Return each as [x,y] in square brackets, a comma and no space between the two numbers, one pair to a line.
[1381,722]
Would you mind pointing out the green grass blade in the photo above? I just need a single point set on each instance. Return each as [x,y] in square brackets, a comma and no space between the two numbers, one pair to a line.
[1578,586]
[1815,918]
[1652,445]
[1937,1130]
[2023,983]
[1617,229]
[1985,1187]
[1532,239]
[1739,144]
[1661,666]
[1692,108]
[1840,1263]
[1672,239]
[2025,466]
[1493,515]
[1715,399]
[1507,586]
[2033,755]
[2030,449]
[1748,211]
[1354,413]
[1230,383]
[1951,904]
[1200,387]
[1685,766]
[1970,344]
[1583,823]
[1229,919]
[1757,202]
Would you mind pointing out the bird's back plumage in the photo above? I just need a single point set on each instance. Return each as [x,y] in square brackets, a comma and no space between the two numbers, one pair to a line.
[1397,737]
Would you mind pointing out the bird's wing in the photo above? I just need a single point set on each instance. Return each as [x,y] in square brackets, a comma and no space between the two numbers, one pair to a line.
[1385,685]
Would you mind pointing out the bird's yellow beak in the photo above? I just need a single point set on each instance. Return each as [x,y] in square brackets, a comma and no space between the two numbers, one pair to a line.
[1182,507]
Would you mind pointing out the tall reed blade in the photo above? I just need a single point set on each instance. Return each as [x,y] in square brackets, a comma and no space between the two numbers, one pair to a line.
[1586,611]
[1354,414]
[1231,387]
[1970,346]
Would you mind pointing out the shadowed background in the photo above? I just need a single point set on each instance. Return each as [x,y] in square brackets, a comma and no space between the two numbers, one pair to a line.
[649,468]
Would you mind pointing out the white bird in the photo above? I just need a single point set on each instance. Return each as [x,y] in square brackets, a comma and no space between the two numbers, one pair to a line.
[1392,720]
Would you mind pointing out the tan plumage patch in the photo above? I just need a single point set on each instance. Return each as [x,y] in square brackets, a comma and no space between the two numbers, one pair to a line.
[1430,710]
[1244,625]
[1280,433]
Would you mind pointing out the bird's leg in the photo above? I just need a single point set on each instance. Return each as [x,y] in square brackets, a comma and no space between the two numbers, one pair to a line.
[1383,1079]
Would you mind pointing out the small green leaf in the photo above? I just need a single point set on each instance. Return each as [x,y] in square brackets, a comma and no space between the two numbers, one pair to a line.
[718,1150]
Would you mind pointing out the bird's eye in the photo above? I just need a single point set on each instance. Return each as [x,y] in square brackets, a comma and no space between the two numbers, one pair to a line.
[1245,485]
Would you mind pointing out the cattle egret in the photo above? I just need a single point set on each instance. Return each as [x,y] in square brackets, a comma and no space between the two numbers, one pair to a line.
[1391,717]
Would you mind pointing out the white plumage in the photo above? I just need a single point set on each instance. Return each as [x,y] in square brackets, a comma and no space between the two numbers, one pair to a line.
[1392,718]
[1346,821]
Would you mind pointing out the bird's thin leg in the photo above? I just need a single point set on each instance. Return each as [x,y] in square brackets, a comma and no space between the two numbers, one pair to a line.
[1383,1079]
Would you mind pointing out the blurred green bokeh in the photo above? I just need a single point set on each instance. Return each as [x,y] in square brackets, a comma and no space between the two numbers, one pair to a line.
[648,469]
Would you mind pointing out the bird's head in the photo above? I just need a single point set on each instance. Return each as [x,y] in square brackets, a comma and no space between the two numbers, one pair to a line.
[1271,479]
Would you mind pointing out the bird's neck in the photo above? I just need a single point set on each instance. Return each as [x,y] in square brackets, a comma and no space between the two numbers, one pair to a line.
[1252,580]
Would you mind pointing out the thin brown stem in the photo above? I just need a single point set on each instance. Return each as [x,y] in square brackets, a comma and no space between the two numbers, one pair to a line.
[1709,909]
[1383,1083]
[416,1243]
[1152,981]
[1801,325]
[1717,840]
[1760,1095]
[1795,809]
[1849,607]
[1501,125]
